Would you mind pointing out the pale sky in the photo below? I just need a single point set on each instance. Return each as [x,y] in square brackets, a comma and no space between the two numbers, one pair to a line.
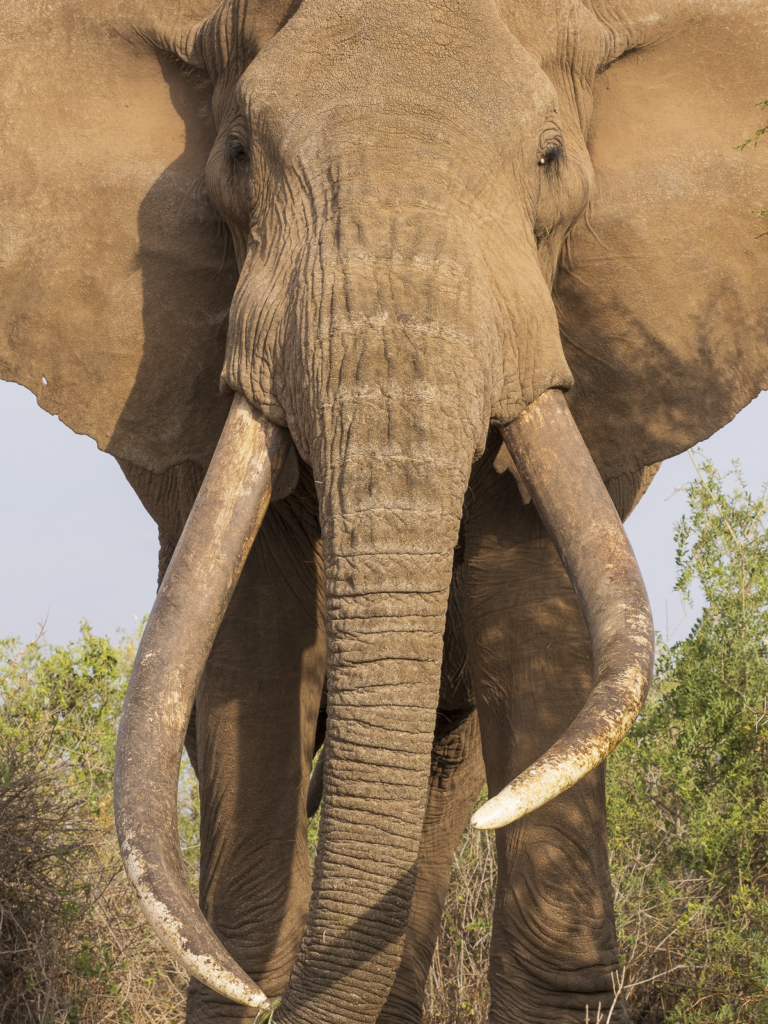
[76,542]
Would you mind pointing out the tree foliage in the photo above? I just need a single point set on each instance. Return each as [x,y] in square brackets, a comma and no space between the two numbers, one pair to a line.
[688,789]
[752,141]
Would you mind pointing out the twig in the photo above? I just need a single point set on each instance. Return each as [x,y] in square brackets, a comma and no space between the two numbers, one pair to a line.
[617,984]
[655,976]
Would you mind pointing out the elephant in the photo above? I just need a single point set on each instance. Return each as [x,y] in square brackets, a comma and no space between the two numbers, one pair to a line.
[388,311]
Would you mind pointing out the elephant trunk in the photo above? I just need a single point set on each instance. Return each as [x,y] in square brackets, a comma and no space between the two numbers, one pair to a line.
[390,509]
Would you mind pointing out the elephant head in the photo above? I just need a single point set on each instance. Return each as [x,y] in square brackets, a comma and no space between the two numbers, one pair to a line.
[432,228]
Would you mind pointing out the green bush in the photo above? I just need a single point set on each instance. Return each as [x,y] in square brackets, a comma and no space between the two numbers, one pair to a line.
[687,790]
[73,943]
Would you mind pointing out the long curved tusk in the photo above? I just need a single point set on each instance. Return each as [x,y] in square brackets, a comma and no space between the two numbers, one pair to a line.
[178,637]
[555,464]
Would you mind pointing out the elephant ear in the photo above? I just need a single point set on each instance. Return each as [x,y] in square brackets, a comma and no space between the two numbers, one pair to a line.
[662,292]
[115,275]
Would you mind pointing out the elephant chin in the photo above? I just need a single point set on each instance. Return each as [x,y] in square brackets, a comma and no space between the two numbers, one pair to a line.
[557,469]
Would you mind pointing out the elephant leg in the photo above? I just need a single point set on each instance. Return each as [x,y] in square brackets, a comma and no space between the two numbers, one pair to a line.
[554,939]
[255,720]
[456,778]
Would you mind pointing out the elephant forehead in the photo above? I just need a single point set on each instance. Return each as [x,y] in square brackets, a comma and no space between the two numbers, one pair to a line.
[564,33]
[454,66]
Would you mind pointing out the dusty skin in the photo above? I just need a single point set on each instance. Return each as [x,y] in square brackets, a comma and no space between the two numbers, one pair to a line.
[391,229]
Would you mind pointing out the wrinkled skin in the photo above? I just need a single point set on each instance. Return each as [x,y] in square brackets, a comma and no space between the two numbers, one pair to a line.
[431,226]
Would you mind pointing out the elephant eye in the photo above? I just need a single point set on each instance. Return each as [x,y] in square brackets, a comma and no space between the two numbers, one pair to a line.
[236,151]
[552,156]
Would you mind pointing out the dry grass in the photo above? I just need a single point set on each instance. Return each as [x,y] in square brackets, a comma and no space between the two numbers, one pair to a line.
[457,989]
[73,943]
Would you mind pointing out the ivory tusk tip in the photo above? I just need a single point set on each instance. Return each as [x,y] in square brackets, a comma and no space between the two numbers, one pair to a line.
[496,815]
[532,789]
[259,1002]
[267,1012]
[477,821]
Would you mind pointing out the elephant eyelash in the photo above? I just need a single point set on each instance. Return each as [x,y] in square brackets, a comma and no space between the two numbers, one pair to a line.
[552,157]
[236,151]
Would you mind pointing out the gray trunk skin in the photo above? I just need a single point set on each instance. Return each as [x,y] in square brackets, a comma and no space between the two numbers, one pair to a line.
[390,487]
[386,616]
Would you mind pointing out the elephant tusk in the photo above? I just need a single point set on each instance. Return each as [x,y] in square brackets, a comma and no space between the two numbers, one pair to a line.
[571,498]
[188,610]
